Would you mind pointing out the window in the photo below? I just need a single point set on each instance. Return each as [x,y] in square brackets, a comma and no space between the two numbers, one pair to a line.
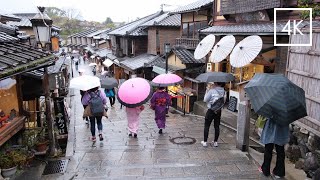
[185,30]
[190,29]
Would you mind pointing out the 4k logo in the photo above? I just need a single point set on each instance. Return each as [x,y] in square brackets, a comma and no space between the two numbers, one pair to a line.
[293,28]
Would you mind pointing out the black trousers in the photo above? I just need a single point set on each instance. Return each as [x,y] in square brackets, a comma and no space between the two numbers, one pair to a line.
[279,169]
[112,100]
[210,116]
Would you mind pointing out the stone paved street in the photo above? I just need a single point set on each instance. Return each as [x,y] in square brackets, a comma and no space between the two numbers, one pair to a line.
[151,155]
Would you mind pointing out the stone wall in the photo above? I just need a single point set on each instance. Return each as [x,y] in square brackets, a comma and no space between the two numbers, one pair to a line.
[304,150]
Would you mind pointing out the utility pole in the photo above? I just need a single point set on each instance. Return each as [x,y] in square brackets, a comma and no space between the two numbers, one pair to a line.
[52,141]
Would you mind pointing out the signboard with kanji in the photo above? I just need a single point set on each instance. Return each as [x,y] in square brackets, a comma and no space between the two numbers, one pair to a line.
[60,115]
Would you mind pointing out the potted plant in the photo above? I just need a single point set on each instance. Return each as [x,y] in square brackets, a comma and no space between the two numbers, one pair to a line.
[41,143]
[10,160]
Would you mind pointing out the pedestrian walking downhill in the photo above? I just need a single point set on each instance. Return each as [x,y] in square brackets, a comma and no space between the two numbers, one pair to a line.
[159,103]
[214,98]
[96,100]
[274,135]
[110,93]
[133,116]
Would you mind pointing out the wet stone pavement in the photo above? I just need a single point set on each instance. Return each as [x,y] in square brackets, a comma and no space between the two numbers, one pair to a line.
[151,155]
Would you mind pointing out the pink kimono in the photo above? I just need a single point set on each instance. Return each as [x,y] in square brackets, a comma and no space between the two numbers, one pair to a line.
[133,118]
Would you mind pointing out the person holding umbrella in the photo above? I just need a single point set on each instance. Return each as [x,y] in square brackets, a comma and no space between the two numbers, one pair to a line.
[159,103]
[214,98]
[110,93]
[133,93]
[282,102]
[274,135]
[97,100]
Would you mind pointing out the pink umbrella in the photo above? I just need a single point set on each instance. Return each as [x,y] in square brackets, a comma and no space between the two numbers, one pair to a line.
[164,80]
[134,92]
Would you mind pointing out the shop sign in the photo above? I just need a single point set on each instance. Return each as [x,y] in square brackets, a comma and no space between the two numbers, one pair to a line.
[60,115]
[56,81]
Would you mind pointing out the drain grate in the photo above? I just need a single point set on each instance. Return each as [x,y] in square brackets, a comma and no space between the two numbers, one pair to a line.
[54,167]
[183,140]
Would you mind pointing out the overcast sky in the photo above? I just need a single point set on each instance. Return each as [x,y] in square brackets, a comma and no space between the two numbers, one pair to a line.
[96,10]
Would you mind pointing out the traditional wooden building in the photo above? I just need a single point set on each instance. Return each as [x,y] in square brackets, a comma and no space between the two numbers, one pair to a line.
[17,59]
[130,41]
[236,18]
[303,69]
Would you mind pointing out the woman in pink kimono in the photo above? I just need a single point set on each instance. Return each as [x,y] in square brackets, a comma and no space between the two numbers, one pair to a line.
[133,119]
[160,101]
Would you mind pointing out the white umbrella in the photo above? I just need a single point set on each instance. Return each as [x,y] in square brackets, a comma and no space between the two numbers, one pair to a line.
[7,83]
[222,49]
[245,51]
[204,46]
[92,64]
[85,82]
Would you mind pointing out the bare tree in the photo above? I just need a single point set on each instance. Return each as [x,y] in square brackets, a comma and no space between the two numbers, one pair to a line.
[72,13]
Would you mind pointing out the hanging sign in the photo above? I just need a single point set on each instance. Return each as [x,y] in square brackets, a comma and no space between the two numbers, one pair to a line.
[60,115]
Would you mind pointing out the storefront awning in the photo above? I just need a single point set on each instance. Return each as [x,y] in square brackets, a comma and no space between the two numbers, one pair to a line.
[107,63]
[160,70]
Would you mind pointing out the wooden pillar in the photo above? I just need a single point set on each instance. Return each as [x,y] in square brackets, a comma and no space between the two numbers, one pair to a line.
[243,126]
[19,94]
[52,142]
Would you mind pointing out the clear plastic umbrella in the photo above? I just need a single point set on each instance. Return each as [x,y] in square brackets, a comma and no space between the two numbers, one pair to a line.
[204,47]
[222,49]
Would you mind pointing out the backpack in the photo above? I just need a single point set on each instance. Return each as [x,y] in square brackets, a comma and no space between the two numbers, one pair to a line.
[96,104]
[218,104]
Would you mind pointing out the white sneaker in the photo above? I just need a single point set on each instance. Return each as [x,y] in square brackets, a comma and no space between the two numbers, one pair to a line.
[215,144]
[204,144]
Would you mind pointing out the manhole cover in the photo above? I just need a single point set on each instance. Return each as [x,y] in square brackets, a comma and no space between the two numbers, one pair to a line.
[53,167]
[183,140]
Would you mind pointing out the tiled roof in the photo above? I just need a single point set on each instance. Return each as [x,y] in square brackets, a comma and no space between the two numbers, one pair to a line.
[165,20]
[8,17]
[156,61]
[7,38]
[185,55]
[16,58]
[8,29]
[85,33]
[25,20]
[133,28]
[98,32]
[193,6]
[138,61]
[258,28]
[241,6]
[82,33]
[103,52]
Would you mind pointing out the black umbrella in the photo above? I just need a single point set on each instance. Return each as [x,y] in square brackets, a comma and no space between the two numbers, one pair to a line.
[108,82]
[276,97]
[215,77]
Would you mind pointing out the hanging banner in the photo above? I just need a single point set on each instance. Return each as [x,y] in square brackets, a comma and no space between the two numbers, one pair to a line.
[60,115]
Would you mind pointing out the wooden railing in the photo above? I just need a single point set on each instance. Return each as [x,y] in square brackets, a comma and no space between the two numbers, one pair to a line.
[189,43]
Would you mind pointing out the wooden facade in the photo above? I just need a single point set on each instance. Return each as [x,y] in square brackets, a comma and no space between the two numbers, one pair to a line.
[303,70]
[191,22]
[158,36]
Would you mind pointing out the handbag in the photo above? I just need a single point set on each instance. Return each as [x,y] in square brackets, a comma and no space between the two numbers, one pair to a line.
[261,121]
[87,112]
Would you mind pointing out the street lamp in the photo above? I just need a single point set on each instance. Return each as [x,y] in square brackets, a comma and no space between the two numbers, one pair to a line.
[41,24]
[167,50]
